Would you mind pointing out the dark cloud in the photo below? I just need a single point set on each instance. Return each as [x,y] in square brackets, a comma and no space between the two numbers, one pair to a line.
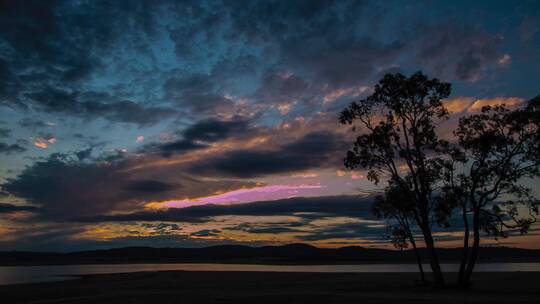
[310,208]
[457,51]
[349,231]
[274,228]
[148,186]
[8,208]
[84,154]
[212,130]
[167,149]
[239,48]
[343,63]
[206,233]
[200,134]
[11,149]
[314,150]
[281,87]
[4,132]
[34,123]
[53,45]
[63,186]
[200,93]
[47,48]
[60,239]
[90,105]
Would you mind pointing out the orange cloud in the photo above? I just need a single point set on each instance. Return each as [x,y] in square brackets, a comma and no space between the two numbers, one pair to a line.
[509,101]
[504,60]
[335,94]
[458,104]
[43,143]
[470,104]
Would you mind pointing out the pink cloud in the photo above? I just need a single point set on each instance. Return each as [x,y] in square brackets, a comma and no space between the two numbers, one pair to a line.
[245,195]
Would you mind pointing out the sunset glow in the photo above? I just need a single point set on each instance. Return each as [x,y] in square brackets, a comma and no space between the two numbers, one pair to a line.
[174,123]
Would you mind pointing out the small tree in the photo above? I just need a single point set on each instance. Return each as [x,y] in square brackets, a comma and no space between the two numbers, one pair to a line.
[399,143]
[498,149]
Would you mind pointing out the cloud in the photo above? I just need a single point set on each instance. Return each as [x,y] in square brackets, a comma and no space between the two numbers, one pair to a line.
[148,186]
[198,92]
[258,193]
[11,149]
[66,186]
[281,88]
[9,208]
[462,104]
[84,154]
[89,105]
[4,132]
[529,27]
[353,230]
[508,101]
[457,51]
[270,229]
[312,207]
[48,49]
[35,124]
[504,60]
[343,62]
[313,150]
[206,233]
[458,104]
[49,44]
[246,91]
[200,135]
[44,141]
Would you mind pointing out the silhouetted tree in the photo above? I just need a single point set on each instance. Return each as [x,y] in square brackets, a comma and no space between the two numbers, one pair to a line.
[483,175]
[397,208]
[498,149]
[400,144]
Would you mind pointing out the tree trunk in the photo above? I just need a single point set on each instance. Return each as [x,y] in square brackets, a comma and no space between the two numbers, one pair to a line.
[418,258]
[475,248]
[465,252]
[434,257]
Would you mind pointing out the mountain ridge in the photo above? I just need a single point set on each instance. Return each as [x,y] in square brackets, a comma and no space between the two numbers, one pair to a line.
[286,254]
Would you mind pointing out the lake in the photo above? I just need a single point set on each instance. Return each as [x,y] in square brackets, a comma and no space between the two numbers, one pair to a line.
[32,274]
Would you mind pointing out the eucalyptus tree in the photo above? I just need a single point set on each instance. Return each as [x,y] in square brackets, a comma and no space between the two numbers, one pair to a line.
[399,144]
[491,174]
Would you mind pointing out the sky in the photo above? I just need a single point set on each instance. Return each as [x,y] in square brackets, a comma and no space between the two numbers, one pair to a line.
[197,123]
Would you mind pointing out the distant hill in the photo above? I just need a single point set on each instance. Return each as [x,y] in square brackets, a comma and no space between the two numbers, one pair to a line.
[288,254]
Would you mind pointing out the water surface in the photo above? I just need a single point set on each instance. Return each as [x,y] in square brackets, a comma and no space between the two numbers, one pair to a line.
[32,274]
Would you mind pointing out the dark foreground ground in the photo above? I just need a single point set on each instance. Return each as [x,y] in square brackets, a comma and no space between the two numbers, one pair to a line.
[280,288]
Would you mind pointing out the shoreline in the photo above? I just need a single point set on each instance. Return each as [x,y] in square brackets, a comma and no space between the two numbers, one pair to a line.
[260,262]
